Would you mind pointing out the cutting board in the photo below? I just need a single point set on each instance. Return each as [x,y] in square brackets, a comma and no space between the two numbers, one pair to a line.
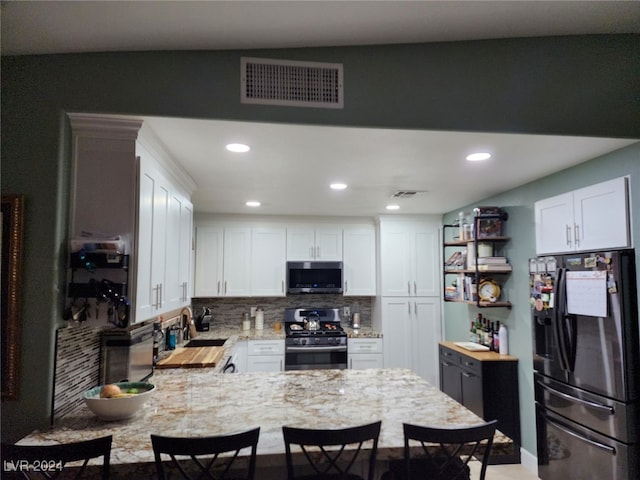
[192,357]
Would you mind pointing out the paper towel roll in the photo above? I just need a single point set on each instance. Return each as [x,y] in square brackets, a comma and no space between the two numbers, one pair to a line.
[259,319]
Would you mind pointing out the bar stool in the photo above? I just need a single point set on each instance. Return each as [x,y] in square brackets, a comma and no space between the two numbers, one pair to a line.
[51,459]
[185,454]
[444,453]
[337,461]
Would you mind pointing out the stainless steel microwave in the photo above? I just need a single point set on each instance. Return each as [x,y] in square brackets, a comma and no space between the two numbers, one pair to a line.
[314,277]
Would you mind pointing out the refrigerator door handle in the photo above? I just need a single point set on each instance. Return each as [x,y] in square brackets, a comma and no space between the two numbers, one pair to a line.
[558,321]
[598,406]
[566,430]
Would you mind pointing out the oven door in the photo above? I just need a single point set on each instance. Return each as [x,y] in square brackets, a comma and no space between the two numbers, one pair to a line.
[315,358]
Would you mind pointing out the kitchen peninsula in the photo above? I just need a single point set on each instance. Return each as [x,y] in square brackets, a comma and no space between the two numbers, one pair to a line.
[198,402]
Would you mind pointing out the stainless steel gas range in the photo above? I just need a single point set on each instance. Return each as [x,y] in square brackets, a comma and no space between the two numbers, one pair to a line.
[314,339]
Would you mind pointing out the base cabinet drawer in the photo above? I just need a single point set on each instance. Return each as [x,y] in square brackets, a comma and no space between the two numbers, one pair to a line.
[365,353]
[265,363]
[362,361]
[265,356]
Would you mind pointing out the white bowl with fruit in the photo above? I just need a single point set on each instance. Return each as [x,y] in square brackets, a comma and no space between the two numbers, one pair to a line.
[118,401]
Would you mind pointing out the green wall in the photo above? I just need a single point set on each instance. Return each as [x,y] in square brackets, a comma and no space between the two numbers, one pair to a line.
[519,203]
[579,85]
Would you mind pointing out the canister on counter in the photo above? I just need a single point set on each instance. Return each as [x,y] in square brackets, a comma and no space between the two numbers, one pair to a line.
[246,322]
[259,319]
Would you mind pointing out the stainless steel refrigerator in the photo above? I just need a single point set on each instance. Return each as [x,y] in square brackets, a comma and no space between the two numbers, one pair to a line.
[586,359]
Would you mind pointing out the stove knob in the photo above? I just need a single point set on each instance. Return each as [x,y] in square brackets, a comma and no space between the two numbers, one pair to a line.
[303,341]
[317,340]
[295,341]
[331,340]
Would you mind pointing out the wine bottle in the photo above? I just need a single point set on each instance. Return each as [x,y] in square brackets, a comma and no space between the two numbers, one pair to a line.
[490,336]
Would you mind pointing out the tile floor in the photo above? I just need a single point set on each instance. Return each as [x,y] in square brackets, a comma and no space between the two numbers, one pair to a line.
[504,472]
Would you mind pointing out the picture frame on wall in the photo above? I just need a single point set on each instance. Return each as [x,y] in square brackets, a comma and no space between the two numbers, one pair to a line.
[11,281]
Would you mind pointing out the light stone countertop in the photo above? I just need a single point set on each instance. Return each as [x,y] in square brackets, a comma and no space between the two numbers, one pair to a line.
[198,402]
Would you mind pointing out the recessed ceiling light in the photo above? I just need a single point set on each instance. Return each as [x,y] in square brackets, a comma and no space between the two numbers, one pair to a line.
[238,147]
[338,186]
[393,207]
[476,157]
[252,203]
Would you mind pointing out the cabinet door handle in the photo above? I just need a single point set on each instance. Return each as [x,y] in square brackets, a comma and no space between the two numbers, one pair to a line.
[225,287]
[409,288]
[568,234]
[409,308]
[415,288]
[282,288]
[346,286]
[576,234]
[218,287]
[160,294]
[468,375]
[415,308]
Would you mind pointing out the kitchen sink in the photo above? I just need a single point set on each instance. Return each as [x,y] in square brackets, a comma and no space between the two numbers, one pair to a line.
[206,342]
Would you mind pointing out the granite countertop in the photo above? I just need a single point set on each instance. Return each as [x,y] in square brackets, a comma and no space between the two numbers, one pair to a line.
[480,356]
[198,402]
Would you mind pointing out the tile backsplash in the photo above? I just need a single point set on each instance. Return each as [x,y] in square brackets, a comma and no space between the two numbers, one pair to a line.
[228,312]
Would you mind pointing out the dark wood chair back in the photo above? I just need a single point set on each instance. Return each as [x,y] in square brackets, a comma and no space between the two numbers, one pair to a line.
[444,453]
[50,461]
[206,457]
[333,453]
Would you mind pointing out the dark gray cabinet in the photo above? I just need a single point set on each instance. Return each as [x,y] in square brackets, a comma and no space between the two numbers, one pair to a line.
[484,382]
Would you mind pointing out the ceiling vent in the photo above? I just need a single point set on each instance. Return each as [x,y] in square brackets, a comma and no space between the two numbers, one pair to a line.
[290,83]
[407,193]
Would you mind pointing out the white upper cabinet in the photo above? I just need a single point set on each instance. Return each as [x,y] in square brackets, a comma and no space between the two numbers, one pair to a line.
[237,262]
[314,243]
[151,291]
[409,258]
[591,218]
[234,260]
[268,261]
[359,266]
[178,259]
[186,253]
[209,261]
[150,204]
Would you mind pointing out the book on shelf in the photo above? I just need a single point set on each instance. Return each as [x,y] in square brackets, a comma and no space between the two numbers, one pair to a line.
[455,261]
[496,267]
[491,260]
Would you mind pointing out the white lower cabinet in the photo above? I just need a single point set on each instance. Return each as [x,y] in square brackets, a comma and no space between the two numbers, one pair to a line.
[411,332]
[239,355]
[265,356]
[365,353]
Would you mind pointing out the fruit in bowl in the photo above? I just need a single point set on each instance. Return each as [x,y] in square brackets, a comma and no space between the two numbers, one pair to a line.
[118,401]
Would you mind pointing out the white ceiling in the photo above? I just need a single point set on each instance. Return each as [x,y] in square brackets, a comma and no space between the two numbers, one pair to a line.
[290,166]
[52,26]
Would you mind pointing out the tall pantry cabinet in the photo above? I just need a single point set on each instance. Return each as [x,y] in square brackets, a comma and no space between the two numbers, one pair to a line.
[409,312]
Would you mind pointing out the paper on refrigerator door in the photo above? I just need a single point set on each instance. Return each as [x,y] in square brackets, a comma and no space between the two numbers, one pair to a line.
[587,293]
